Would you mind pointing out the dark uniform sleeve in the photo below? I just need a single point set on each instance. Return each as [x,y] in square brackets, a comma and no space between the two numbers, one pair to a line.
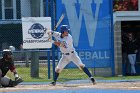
[12,66]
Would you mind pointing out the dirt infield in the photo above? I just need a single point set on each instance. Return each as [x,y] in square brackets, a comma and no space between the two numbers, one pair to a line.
[100,85]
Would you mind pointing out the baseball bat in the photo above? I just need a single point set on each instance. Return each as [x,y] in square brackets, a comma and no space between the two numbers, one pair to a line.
[59,21]
[57,24]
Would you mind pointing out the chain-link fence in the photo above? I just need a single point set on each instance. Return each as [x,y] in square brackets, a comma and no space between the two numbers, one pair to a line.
[37,65]
[32,65]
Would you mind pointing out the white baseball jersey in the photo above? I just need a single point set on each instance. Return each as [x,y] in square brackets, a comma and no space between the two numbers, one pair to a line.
[67,41]
[68,52]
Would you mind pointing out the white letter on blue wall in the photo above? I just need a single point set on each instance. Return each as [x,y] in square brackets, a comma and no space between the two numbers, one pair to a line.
[85,11]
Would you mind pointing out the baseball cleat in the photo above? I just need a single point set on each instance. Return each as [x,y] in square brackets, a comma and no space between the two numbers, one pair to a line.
[53,83]
[93,81]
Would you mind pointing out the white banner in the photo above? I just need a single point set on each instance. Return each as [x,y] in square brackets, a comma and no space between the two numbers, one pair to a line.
[34,31]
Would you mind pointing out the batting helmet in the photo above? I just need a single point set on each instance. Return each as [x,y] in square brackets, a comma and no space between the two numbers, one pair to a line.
[64,28]
[6,52]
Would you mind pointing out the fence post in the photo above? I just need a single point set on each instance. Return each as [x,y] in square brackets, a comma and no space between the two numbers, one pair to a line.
[112,42]
[26,58]
[48,58]
[53,16]
[34,64]
[53,60]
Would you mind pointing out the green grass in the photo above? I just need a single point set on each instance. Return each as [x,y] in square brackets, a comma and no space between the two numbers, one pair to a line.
[66,75]
[24,72]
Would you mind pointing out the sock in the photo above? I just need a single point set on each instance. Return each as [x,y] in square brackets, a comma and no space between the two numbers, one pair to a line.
[56,76]
[87,72]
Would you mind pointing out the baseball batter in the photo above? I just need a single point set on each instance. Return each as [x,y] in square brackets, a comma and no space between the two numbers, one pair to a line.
[6,64]
[65,42]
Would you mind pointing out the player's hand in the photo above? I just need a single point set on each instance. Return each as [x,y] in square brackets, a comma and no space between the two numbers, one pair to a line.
[49,36]
[18,79]
[55,28]
[62,44]
[49,32]
[57,43]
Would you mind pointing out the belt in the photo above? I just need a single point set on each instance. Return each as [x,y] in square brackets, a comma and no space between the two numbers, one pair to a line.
[68,53]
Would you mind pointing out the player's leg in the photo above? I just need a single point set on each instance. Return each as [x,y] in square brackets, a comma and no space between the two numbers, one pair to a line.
[78,62]
[61,64]
[0,78]
[132,59]
[7,82]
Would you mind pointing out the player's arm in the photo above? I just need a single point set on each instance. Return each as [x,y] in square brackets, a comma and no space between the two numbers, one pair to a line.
[13,69]
[56,35]
[59,44]
[53,33]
